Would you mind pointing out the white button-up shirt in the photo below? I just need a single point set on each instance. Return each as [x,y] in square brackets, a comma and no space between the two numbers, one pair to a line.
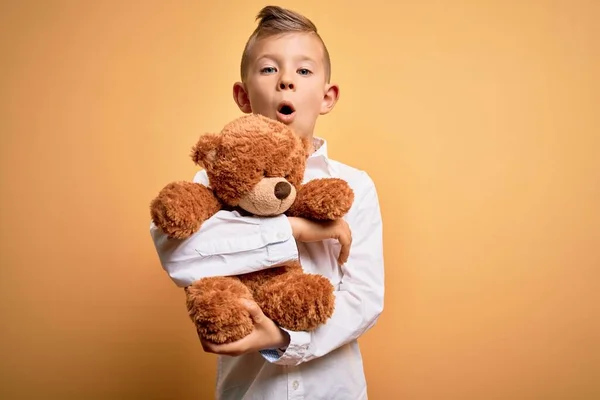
[323,364]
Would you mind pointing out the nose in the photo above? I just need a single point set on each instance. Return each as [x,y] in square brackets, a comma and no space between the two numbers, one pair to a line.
[283,85]
[282,190]
[286,82]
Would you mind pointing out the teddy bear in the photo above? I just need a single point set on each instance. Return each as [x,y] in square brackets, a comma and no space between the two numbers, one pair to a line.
[255,166]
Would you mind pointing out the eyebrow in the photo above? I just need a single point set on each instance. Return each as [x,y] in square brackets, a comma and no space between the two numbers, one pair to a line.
[274,57]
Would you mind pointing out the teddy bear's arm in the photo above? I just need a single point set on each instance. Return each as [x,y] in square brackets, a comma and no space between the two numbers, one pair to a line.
[181,207]
[322,199]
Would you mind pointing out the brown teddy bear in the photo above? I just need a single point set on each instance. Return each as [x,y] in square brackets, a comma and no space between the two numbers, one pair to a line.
[255,166]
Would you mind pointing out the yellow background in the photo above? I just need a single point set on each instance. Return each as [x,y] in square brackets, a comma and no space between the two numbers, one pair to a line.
[478,120]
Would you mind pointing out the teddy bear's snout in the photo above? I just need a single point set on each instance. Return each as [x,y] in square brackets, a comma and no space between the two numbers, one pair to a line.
[270,196]
[282,190]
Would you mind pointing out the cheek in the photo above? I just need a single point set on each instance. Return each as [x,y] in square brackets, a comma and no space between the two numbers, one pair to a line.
[314,101]
[259,95]
[260,105]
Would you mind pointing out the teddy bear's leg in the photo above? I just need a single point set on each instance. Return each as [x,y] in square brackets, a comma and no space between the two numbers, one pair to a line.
[181,207]
[323,199]
[295,300]
[214,305]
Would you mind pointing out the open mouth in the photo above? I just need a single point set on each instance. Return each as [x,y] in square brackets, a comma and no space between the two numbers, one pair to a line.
[286,112]
[286,109]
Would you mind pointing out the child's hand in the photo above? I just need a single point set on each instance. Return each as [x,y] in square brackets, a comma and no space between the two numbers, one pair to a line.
[266,335]
[305,230]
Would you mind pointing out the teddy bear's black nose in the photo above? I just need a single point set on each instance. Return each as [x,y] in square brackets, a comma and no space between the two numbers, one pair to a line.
[282,190]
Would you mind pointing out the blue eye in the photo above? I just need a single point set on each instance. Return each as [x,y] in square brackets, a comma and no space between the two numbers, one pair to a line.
[268,70]
[304,71]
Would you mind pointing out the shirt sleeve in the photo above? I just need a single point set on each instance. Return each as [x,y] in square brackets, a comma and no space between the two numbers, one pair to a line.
[226,244]
[359,299]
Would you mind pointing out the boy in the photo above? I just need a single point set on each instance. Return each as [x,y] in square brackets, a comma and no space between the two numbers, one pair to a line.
[285,72]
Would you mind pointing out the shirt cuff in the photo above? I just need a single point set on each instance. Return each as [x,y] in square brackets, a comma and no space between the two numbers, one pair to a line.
[295,351]
[272,355]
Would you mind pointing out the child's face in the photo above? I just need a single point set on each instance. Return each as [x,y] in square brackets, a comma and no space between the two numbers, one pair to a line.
[286,81]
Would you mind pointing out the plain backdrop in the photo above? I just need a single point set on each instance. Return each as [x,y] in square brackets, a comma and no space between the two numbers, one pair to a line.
[479,122]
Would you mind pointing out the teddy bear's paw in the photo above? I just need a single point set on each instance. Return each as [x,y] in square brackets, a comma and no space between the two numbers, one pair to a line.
[323,199]
[181,207]
[214,305]
[301,302]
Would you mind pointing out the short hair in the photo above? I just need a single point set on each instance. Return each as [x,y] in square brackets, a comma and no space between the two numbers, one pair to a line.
[274,20]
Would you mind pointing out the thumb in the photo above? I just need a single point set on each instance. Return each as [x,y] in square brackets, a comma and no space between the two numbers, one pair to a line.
[255,312]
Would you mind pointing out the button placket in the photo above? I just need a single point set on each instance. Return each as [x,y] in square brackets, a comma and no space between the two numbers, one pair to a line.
[295,389]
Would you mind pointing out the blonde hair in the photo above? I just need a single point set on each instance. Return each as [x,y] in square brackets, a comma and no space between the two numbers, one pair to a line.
[274,20]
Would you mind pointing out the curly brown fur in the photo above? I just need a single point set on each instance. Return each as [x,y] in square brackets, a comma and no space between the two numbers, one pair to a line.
[214,306]
[323,199]
[242,155]
[292,299]
[256,280]
[297,301]
[181,207]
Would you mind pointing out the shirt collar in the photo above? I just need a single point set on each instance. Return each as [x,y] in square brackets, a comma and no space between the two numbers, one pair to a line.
[320,155]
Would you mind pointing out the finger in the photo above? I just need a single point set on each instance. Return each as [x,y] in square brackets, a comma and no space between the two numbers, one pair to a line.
[255,312]
[343,257]
[207,346]
[228,349]
[344,252]
[346,242]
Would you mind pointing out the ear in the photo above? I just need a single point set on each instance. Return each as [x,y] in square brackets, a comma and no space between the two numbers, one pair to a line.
[240,96]
[205,151]
[332,94]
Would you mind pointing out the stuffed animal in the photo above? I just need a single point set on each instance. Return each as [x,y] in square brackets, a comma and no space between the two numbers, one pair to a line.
[255,166]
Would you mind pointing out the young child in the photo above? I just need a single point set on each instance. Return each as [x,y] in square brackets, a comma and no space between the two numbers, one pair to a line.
[285,63]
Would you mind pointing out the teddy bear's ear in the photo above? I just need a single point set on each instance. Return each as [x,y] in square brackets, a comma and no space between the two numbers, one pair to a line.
[205,151]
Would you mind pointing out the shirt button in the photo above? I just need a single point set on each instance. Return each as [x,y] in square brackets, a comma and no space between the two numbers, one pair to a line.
[295,385]
[281,235]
